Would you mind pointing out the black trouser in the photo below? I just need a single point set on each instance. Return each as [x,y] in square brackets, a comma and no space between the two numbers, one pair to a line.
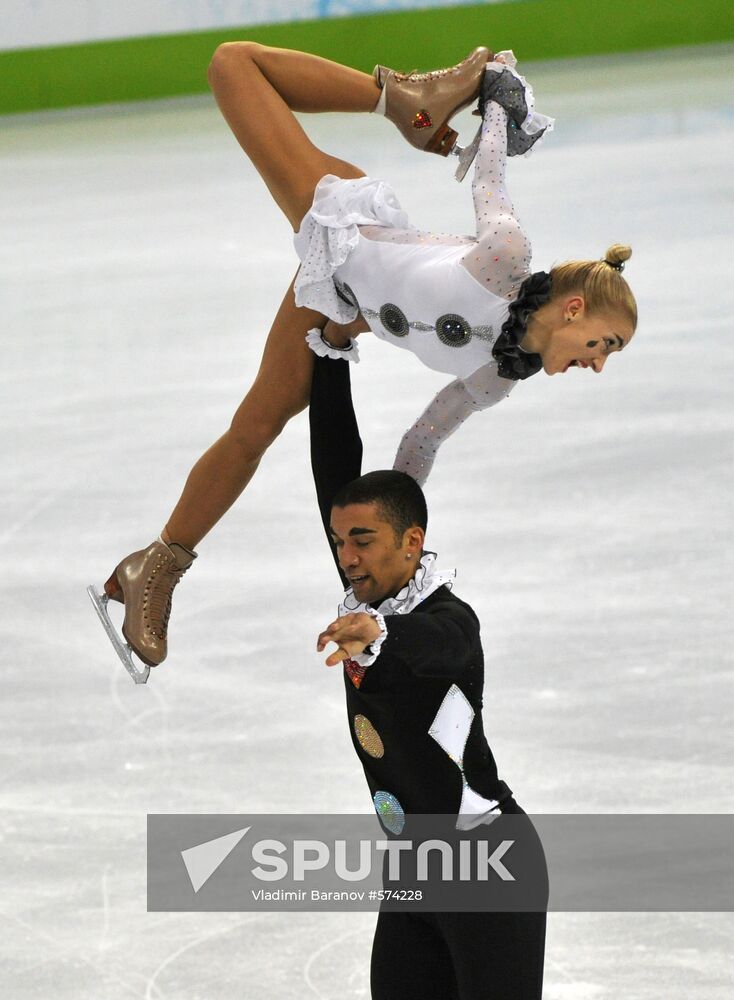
[460,956]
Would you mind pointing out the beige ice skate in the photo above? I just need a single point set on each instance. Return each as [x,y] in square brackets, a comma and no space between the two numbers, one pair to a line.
[144,582]
[422,104]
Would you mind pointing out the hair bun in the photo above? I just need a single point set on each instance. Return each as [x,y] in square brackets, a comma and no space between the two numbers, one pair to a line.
[616,255]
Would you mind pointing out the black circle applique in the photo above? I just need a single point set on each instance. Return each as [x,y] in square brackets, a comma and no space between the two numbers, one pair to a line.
[394,320]
[346,294]
[453,330]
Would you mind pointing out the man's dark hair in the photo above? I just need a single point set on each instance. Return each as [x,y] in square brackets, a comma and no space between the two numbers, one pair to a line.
[398,496]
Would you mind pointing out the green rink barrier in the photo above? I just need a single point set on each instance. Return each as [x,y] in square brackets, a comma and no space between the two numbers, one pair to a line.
[133,69]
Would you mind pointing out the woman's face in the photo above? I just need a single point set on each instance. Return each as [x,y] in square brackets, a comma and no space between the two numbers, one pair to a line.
[584,340]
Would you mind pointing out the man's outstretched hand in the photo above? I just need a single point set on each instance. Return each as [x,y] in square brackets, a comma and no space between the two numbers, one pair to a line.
[352,633]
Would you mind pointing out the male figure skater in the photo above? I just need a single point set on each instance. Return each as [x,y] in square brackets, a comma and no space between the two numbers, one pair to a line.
[413,672]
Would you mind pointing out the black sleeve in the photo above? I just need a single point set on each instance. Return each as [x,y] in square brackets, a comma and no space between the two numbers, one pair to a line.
[336,447]
[440,642]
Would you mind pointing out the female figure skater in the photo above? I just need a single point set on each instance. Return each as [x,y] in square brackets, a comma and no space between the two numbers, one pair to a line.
[466,306]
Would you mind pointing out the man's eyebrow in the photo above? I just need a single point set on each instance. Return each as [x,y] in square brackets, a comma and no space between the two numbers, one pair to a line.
[355,531]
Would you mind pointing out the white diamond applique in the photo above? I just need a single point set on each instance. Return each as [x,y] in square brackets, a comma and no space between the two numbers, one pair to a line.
[450,729]
[451,725]
[475,809]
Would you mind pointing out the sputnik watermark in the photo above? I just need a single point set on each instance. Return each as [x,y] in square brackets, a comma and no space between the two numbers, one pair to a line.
[207,863]
[275,861]
[299,862]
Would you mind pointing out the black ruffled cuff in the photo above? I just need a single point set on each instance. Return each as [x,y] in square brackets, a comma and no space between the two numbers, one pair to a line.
[509,91]
[512,361]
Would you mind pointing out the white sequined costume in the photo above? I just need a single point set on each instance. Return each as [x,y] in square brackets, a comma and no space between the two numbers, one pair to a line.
[442,297]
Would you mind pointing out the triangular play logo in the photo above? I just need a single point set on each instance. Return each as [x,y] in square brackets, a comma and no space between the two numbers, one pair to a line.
[204,859]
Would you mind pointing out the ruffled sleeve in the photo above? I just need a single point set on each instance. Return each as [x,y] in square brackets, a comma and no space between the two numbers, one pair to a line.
[323,349]
[504,86]
[366,659]
[329,233]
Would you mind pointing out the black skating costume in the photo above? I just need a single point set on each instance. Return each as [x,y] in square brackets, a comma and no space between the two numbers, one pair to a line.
[414,702]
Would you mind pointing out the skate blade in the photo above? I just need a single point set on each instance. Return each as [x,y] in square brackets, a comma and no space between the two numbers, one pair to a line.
[122,648]
[466,155]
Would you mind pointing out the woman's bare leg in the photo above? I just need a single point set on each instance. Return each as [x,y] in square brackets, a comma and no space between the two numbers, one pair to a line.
[258,89]
[280,391]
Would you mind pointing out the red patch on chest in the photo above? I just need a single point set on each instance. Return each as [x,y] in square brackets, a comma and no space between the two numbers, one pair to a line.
[355,672]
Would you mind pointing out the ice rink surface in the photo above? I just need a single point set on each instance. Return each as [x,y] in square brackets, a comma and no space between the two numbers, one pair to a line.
[587,516]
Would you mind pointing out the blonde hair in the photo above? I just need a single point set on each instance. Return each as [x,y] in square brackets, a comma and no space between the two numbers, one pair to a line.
[599,281]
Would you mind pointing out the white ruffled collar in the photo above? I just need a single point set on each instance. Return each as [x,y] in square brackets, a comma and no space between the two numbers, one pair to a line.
[427,579]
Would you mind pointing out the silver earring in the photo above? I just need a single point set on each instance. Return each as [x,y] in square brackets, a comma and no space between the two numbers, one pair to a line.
[409,556]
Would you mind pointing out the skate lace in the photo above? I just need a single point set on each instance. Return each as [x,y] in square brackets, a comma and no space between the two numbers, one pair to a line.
[435,74]
[162,583]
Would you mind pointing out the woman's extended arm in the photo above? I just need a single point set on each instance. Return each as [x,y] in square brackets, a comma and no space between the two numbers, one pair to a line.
[500,259]
[445,413]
